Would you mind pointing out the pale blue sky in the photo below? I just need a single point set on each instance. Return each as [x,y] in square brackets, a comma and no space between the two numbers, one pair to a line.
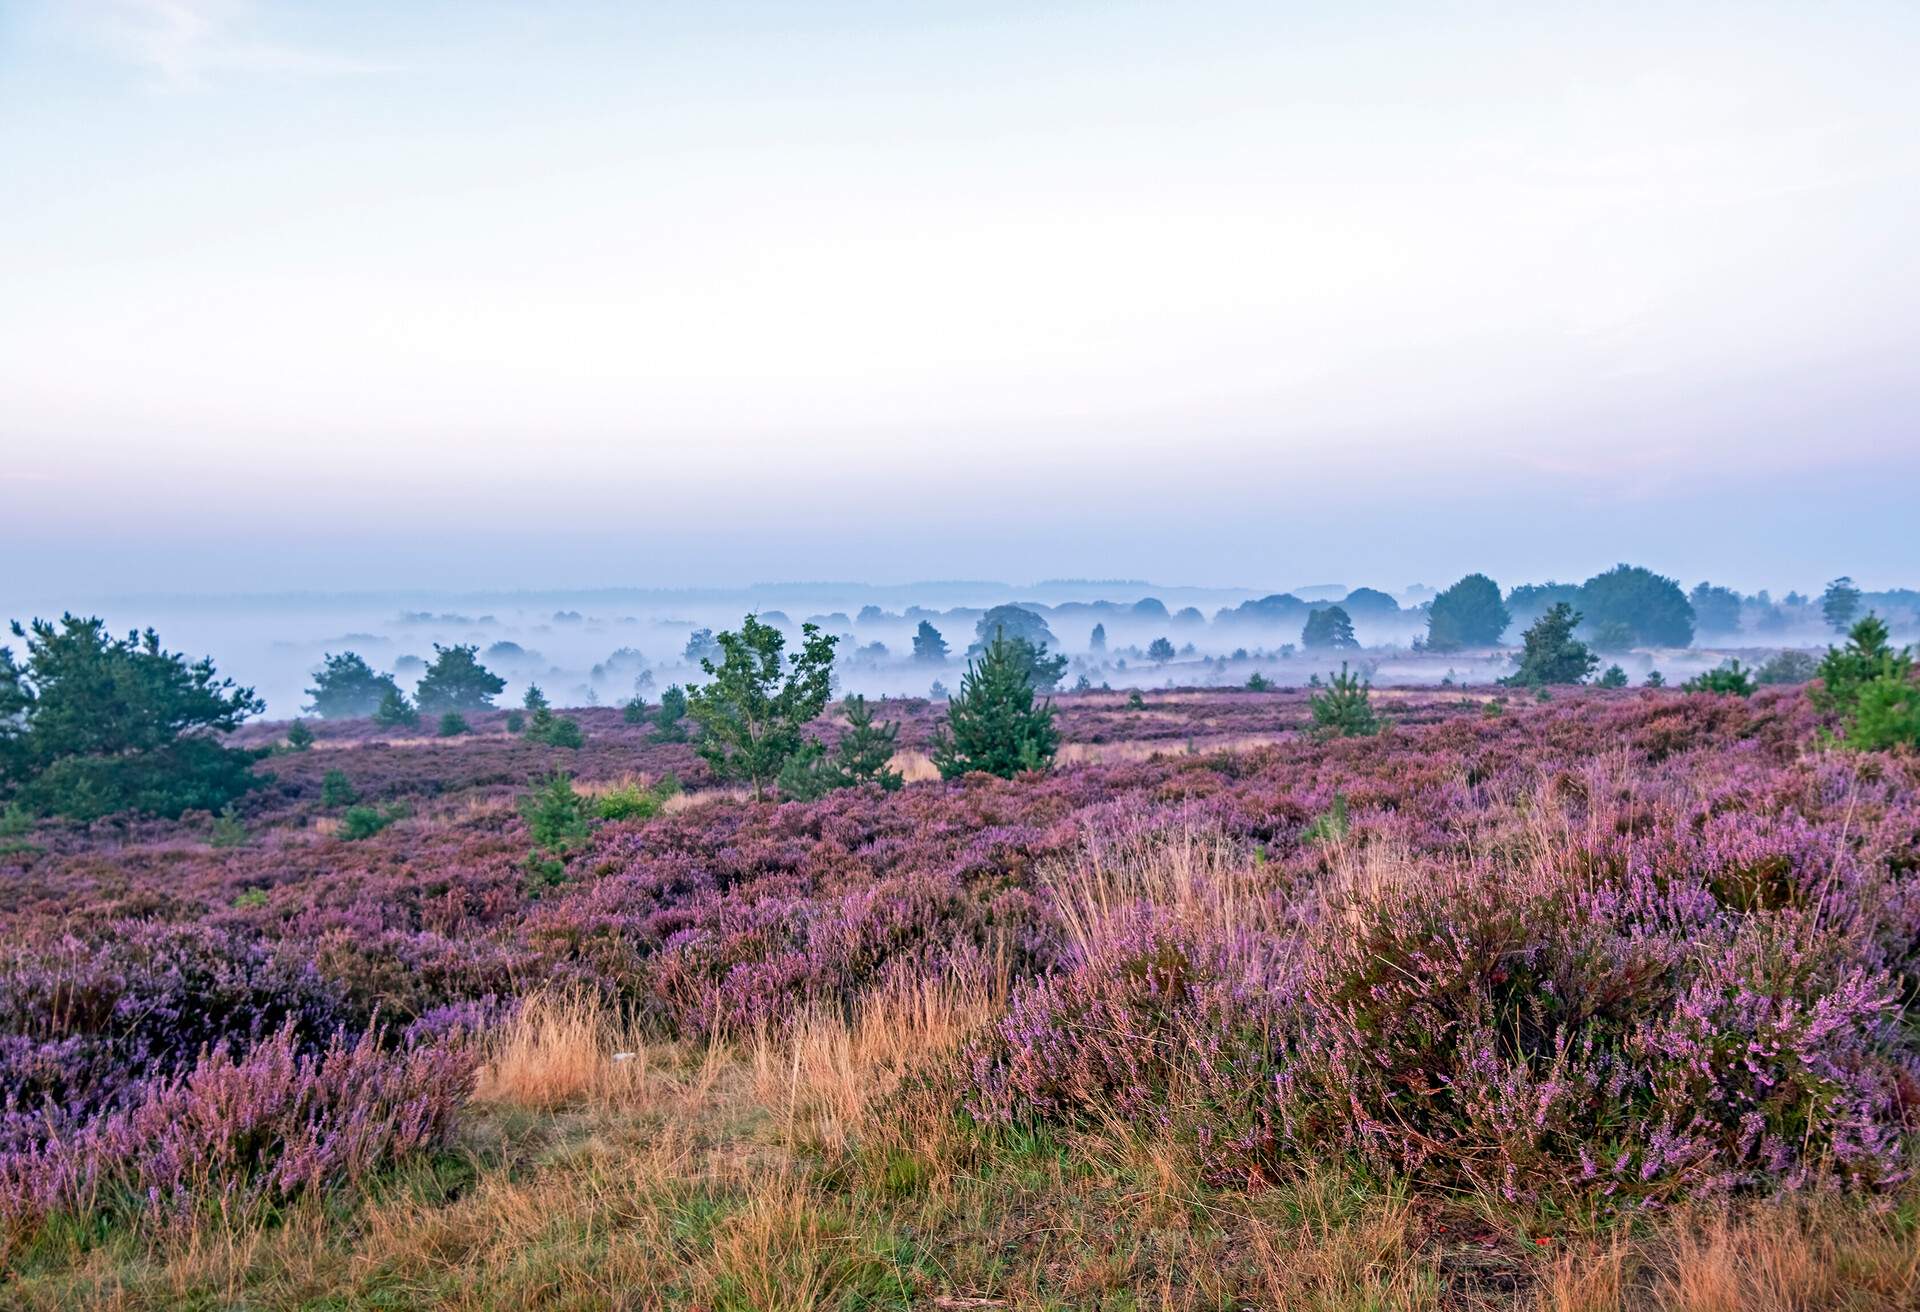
[477,294]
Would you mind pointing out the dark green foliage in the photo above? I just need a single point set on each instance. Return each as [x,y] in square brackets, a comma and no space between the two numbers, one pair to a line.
[1715,609]
[1652,609]
[1530,601]
[336,790]
[91,725]
[1468,614]
[299,737]
[554,730]
[15,820]
[1787,666]
[1612,677]
[1871,688]
[1345,709]
[859,757]
[1614,635]
[557,818]
[1840,603]
[453,724]
[1135,702]
[395,710]
[1258,682]
[673,709]
[1027,637]
[457,681]
[365,821]
[1372,603]
[993,724]
[928,646]
[751,712]
[1731,678]
[346,688]
[1655,679]
[1867,656]
[534,700]
[1160,650]
[1329,627]
[515,721]
[1097,640]
[1549,652]
[634,712]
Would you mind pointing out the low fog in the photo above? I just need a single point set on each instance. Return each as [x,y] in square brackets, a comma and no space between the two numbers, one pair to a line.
[607,647]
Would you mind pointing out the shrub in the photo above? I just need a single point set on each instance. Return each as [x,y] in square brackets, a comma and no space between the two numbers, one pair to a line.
[395,710]
[516,722]
[1136,701]
[363,821]
[228,829]
[558,819]
[236,1136]
[1550,653]
[555,730]
[1731,678]
[1885,715]
[299,737]
[1612,677]
[673,709]
[1258,682]
[993,724]
[91,725]
[859,757]
[337,790]
[634,712]
[1654,679]
[453,724]
[629,801]
[1345,709]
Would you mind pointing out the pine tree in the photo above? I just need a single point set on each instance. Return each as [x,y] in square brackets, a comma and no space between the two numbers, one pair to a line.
[1550,653]
[1345,709]
[993,724]
[457,681]
[928,646]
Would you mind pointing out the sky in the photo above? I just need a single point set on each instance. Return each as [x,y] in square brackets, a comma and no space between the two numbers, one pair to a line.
[470,295]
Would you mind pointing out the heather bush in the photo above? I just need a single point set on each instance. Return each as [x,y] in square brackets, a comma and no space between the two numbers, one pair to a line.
[238,1135]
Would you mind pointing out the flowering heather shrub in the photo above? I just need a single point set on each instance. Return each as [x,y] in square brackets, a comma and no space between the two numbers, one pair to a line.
[243,1133]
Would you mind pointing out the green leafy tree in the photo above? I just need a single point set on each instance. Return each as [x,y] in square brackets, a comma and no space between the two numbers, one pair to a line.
[751,710]
[1731,678]
[1468,614]
[457,681]
[347,688]
[1328,627]
[1840,603]
[929,648]
[1549,653]
[91,725]
[1345,708]
[395,710]
[673,709]
[1612,677]
[701,648]
[1653,609]
[1030,637]
[1715,609]
[1160,650]
[993,724]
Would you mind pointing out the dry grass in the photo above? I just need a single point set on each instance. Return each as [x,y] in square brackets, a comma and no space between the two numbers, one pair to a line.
[559,1049]
[1201,876]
